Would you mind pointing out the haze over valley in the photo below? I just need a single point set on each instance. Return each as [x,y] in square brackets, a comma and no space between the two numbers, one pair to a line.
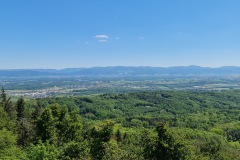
[119,80]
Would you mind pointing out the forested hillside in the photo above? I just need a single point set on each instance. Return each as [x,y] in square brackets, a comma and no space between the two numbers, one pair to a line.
[143,125]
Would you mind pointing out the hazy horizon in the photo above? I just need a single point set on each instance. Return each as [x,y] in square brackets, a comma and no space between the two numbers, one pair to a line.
[114,66]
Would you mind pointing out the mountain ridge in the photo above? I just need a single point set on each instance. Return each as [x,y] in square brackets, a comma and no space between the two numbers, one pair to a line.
[123,71]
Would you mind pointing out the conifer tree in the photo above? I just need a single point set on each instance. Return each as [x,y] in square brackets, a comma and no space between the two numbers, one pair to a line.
[7,105]
[20,108]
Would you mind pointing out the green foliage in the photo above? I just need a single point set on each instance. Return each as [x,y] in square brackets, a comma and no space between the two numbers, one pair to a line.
[100,136]
[211,149]
[72,127]
[8,148]
[111,151]
[20,108]
[5,121]
[191,109]
[199,125]
[7,105]
[7,139]
[76,150]
[46,125]
[118,136]
[37,110]
[165,146]
[43,151]
[26,132]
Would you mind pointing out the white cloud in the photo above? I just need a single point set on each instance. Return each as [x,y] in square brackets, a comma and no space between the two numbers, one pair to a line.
[101,36]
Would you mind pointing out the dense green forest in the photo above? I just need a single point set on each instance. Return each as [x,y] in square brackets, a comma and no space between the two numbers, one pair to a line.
[159,125]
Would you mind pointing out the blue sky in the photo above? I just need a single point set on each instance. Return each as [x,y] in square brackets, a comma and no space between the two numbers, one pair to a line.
[86,33]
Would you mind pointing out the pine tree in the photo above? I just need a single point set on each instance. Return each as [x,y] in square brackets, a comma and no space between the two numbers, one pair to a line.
[3,97]
[37,111]
[7,105]
[20,108]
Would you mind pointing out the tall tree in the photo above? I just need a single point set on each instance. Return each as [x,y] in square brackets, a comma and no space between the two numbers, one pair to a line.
[37,111]
[22,132]
[165,146]
[72,127]
[50,124]
[24,123]
[7,104]
[101,135]
[46,129]
[20,108]
[3,97]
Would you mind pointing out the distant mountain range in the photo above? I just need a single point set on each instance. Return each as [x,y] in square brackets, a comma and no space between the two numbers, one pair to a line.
[123,71]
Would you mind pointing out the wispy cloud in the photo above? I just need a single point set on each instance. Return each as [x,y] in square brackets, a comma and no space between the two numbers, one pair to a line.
[102,40]
[100,36]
